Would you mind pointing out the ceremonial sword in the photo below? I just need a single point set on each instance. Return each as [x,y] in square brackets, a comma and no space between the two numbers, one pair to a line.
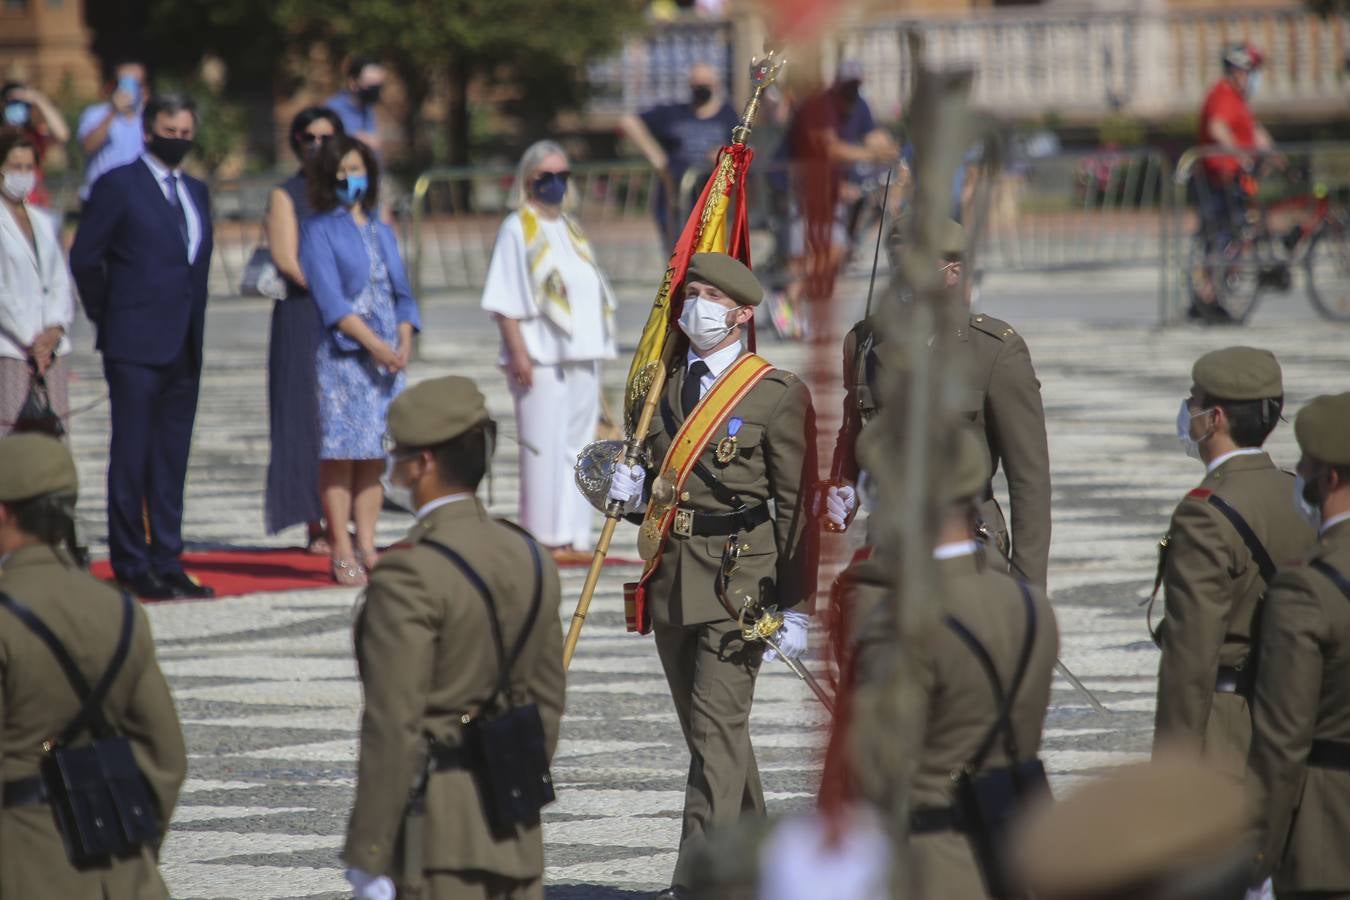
[760,624]
[982,531]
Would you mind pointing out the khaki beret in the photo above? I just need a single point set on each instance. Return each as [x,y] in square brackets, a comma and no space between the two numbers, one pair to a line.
[1238,373]
[34,464]
[952,240]
[1323,429]
[1139,825]
[434,411]
[731,276]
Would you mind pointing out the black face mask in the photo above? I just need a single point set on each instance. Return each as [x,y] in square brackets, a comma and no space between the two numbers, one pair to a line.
[848,92]
[699,94]
[370,95]
[170,150]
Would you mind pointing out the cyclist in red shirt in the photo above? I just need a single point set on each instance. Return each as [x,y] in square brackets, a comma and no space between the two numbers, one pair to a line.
[1226,121]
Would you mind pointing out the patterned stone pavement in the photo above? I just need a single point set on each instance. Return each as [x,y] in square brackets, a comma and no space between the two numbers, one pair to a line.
[266,687]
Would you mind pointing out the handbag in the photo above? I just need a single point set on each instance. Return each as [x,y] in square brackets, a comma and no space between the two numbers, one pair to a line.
[36,414]
[505,743]
[987,802]
[261,276]
[99,797]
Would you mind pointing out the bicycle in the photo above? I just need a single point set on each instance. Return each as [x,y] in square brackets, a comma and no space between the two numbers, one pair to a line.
[1256,258]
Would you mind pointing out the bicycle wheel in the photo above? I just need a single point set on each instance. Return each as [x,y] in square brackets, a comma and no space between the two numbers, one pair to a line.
[1234,280]
[1327,267]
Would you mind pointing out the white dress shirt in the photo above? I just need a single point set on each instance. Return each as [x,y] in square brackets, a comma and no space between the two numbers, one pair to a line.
[1220,460]
[1333,521]
[194,219]
[954,549]
[717,363]
[431,506]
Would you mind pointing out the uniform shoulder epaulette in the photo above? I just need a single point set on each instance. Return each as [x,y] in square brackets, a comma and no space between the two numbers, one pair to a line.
[996,328]
[782,376]
[1198,494]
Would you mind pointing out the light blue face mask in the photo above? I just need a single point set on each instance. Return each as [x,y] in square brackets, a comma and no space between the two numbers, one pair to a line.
[1253,83]
[351,189]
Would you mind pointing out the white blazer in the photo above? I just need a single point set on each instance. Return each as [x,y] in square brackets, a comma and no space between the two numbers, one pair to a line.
[35,291]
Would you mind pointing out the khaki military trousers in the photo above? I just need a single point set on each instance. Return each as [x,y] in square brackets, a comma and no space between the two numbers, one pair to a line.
[473,885]
[711,673]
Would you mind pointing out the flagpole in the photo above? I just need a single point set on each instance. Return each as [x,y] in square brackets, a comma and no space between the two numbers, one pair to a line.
[763,72]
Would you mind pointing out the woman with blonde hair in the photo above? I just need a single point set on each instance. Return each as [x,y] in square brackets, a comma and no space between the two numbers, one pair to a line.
[555,311]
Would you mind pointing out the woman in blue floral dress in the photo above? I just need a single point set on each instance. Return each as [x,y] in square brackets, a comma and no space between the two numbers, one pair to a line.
[356,277]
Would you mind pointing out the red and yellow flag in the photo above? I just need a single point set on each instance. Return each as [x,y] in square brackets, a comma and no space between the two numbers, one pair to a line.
[717,224]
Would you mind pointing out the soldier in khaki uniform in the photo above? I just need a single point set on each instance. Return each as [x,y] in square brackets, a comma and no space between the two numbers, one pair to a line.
[1300,756]
[1005,404]
[425,648]
[753,478]
[37,505]
[978,594]
[1170,829]
[1211,569]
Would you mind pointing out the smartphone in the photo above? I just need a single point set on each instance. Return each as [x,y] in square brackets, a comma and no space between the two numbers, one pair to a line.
[132,86]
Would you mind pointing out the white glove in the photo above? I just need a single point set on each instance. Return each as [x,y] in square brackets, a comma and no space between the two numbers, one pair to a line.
[626,485]
[366,886]
[791,637]
[1265,891]
[841,501]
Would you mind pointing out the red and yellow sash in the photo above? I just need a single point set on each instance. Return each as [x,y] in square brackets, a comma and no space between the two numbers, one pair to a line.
[685,449]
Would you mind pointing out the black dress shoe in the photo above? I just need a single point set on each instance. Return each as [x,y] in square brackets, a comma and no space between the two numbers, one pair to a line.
[147,586]
[672,893]
[183,586]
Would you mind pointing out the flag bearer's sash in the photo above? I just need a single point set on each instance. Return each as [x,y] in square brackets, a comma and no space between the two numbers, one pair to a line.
[698,428]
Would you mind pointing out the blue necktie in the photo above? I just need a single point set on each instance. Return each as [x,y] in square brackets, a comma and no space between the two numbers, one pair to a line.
[172,182]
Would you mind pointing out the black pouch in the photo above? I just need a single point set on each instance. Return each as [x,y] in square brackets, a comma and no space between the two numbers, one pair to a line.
[36,414]
[505,742]
[986,802]
[99,797]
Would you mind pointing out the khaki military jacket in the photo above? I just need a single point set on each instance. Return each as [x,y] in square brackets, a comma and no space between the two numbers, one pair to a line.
[957,695]
[1006,405]
[1303,695]
[426,657]
[37,702]
[1212,587]
[775,462]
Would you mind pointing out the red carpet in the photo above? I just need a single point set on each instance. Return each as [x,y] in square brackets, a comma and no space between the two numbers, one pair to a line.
[256,570]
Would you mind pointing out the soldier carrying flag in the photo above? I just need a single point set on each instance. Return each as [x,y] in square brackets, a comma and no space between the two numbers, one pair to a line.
[723,444]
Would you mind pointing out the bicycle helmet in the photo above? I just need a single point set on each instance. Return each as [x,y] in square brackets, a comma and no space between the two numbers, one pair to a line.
[1243,56]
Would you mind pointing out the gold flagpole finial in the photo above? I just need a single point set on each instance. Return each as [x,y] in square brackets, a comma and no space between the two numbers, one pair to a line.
[763,72]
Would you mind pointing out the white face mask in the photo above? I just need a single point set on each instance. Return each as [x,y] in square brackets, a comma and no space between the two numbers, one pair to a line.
[704,322]
[1312,513]
[1253,83]
[396,493]
[17,185]
[1189,444]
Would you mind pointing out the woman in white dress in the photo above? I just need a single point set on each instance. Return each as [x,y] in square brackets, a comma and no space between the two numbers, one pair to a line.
[555,311]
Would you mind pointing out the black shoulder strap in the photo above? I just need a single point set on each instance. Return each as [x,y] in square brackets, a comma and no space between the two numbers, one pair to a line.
[504,663]
[1254,545]
[91,699]
[719,490]
[1003,724]
[1335,577]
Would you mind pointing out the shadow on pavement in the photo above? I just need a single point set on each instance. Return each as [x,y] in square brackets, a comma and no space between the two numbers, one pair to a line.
[593,892]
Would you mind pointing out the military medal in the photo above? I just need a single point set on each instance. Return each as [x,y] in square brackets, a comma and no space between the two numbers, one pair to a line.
[726,447]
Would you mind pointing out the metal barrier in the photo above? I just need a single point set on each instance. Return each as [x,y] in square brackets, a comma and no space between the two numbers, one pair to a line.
[456,213]
[1238,232]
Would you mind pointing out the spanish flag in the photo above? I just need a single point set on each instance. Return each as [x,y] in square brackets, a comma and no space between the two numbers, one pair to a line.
[717,224]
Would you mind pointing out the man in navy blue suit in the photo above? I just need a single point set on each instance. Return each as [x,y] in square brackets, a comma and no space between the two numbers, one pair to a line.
[140,260]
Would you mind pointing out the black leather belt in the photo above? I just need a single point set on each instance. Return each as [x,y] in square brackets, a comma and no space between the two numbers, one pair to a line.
[25,792]
[1232,680]
[932,819]
[444,758]
[1330,755]
[689,523]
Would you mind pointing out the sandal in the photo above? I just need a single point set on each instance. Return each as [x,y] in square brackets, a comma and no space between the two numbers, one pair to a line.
[367,560]
[318,546]
[348,572]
